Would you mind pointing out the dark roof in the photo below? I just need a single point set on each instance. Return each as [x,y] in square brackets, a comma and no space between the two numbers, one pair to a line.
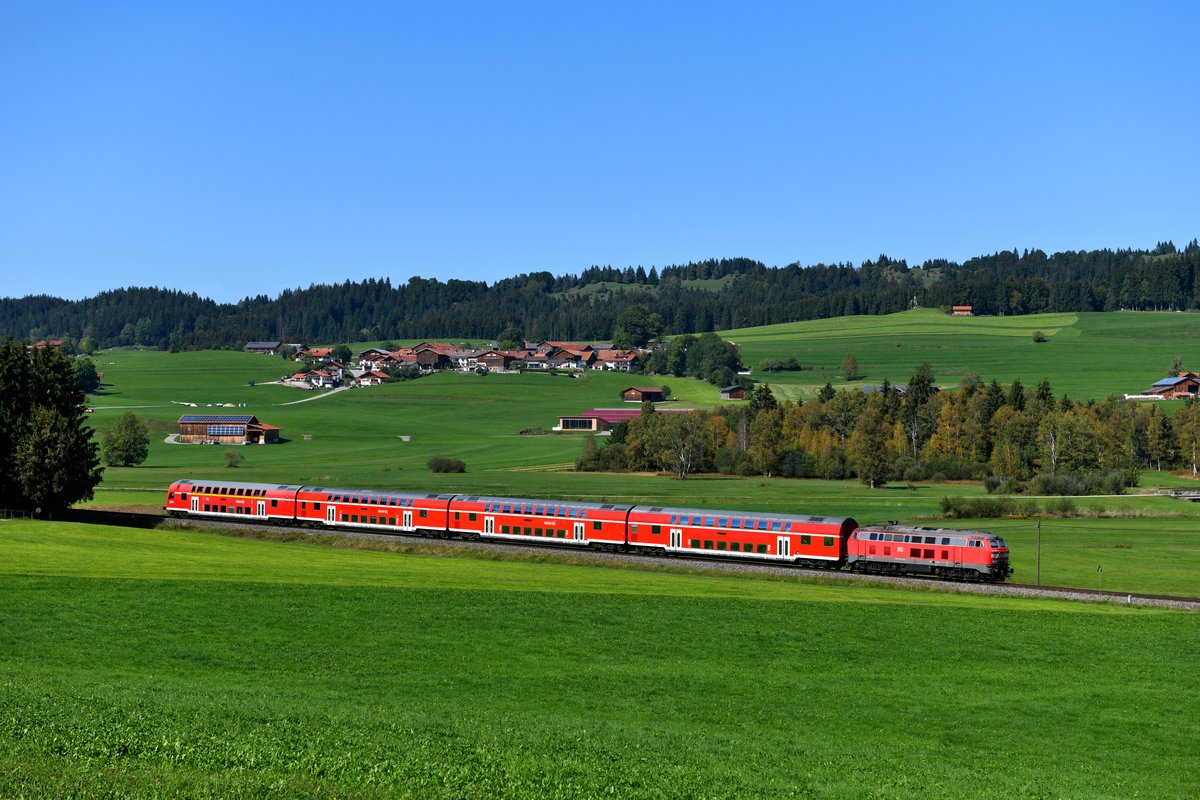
[261,345]
[731,388]
[218,419]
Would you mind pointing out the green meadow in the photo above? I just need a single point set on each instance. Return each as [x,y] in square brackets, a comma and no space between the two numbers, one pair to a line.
[1087,356]
[498,425]
[176,663]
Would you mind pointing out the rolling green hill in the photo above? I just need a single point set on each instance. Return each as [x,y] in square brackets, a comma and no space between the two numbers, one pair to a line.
[1087,356]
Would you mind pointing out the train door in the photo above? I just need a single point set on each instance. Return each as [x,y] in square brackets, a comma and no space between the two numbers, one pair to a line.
[331,513]
[407,521]
[262,508]
[783,546]
[579,531]
[489,524]
[677,538]
[195,503]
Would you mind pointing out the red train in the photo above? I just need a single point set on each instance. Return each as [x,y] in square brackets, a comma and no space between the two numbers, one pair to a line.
[820,542]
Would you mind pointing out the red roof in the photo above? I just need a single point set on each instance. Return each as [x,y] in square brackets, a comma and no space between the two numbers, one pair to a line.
[614,415]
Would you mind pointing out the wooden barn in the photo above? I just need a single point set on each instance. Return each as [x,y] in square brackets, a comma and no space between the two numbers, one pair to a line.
[640,394]
[225,429]
[733,393]
[1183,385]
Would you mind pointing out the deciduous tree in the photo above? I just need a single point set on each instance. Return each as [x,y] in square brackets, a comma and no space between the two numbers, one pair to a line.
[126,443]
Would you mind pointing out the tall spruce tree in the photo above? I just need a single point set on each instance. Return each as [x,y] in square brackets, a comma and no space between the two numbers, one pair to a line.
[47,457]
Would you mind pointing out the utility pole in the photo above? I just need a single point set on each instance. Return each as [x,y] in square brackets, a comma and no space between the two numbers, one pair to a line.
[1039,554]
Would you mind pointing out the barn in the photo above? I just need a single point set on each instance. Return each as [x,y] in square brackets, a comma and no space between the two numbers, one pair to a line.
[225,429]
[641,394]
[600,420]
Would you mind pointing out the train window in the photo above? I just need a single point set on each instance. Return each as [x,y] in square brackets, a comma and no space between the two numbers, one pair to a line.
[458,515]
[424,513]
[345,517]
[708,544]
[537,531]
[762,548]
[275,504]
[735,546]
[656,529]
[507,507]
[392,502]
[720,545]
[929,554]
[805,540]
[206,506]
[776,525]
[374,520]
[829,541]
[354,517]
[392,520]
[505,529]
[316,506]
[735,523]
[762,524]
[710,521]
[471,516]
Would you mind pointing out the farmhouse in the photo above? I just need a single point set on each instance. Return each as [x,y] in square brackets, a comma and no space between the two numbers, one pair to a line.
[263,348]
[601,420]
[225,429]
[962,311]
[640,394]
[1183,385]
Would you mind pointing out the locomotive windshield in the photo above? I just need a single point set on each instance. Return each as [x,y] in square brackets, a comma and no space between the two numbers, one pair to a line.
[998,542]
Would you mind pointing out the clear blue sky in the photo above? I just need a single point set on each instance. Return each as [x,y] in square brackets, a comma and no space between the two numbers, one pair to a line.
[234,148]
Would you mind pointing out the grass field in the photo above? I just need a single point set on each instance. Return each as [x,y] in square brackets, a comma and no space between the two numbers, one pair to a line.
[173,663]
[1087,356]
[355,435]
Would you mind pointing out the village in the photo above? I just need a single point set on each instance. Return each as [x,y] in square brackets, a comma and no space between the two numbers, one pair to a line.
[377,365]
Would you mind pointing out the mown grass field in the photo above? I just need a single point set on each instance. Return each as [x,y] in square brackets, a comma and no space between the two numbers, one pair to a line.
[176,663]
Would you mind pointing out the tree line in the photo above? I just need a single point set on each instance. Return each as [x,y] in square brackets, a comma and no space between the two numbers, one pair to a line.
[1013,438]
[697,297]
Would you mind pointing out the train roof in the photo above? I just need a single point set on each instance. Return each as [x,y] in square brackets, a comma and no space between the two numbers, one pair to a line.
[921,529]
[375,492]
[472,498]
[714,512]
[236,484]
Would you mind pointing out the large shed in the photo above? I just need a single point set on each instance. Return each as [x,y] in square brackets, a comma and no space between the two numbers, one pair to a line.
[640,394]
[225,429]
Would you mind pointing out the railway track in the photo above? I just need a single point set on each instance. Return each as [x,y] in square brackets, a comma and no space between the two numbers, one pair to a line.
[708,564]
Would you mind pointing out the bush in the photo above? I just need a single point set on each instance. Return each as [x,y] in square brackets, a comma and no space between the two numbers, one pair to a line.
[1061,507]
[233,458]
[1039,337]
[978,507]
[1113,481]
[443,464]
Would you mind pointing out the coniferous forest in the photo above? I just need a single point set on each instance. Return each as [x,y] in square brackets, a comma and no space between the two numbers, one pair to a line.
[691,298]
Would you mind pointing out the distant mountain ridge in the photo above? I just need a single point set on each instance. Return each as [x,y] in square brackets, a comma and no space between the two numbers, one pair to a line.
[694,298]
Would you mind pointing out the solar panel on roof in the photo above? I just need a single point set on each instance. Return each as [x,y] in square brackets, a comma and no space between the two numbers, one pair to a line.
[242,418]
